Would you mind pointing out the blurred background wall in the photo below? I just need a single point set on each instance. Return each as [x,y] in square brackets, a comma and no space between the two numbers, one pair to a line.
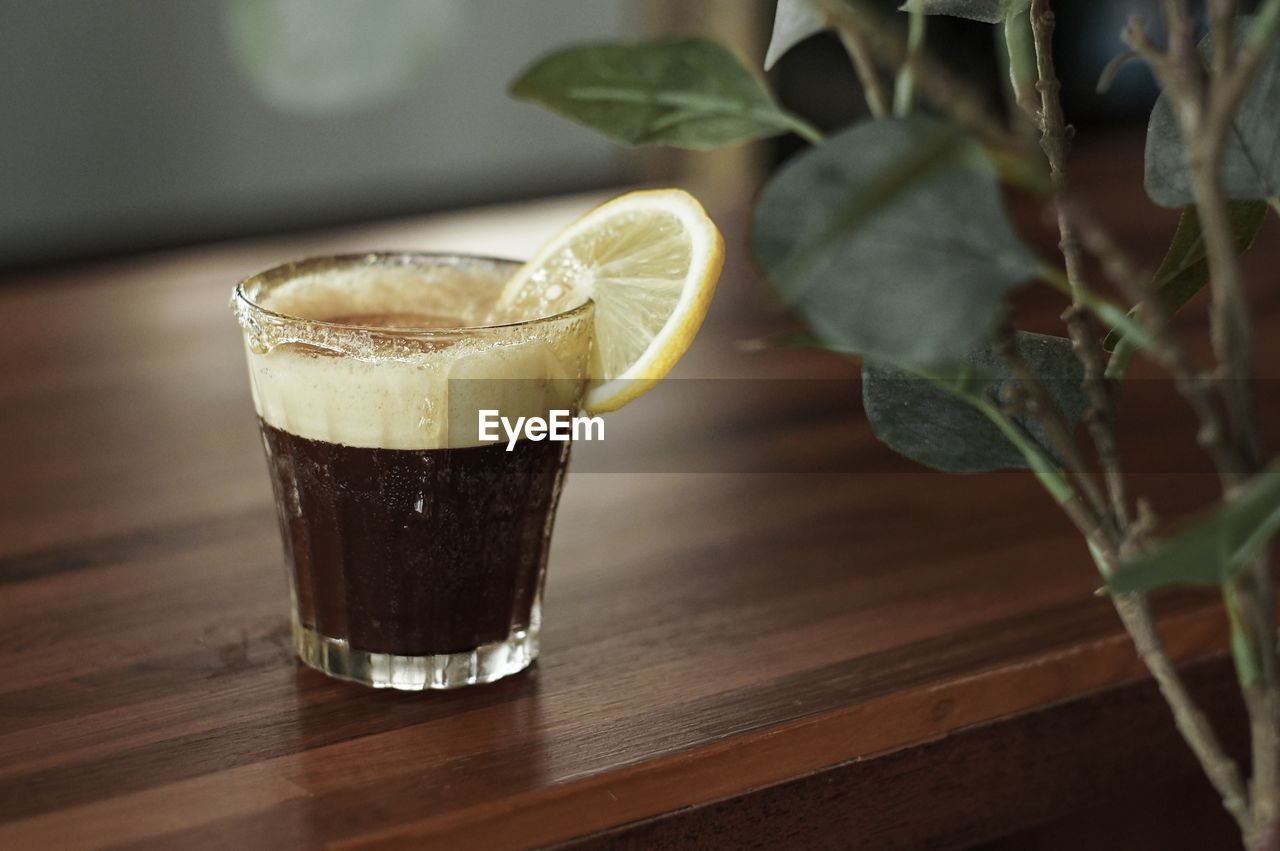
[136,124]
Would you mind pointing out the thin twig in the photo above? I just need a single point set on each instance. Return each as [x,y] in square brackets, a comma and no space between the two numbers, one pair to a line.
[943,89]
[1232,335]
[904,88]
[1055,141]
[1206,106]
[1079,512]
[1100,419]
[1041,406]
[1169,350]
[1206,110]
[865,67]
[1191,723]
[1222,15]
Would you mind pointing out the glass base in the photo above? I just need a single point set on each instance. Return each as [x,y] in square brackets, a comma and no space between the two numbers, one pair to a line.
[488,662]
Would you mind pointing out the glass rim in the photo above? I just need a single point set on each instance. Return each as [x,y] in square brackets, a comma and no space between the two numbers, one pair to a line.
[286,270]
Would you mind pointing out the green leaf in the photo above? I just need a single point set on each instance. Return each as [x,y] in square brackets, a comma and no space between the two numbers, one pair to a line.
[931,418]
[1018,58]
[793,22]
[688,93]
[1185,268]
[1214,549]
[987,11]
[1264,24]
[1251,159]
[892,241]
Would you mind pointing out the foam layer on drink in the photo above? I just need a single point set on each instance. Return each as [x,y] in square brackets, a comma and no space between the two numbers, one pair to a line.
[348,354]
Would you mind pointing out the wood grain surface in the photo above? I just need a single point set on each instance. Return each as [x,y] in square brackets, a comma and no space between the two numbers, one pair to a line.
[763,629]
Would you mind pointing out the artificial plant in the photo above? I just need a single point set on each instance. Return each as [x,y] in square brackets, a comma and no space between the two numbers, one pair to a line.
[891,239]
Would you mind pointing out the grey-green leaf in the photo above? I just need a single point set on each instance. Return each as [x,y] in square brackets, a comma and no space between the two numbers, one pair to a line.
[793,22]
[1185,268]
[931,419]
[1251,160]
[892,241]
[687,93]
[1214,549]
[987,11]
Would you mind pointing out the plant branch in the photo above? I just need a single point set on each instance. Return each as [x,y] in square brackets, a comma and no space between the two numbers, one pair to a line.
[1040,405]
[946,92]
[1221,18]
[1106,311]
[1079,512]
[1232,336]
[1136,617]
[1231,329]
[1170,352]
[1206,106]
[1246,593]
[1055,141]
[1044,469]
[855,43]
[1133,610]
[904,88]
[1135,614]
[803,129]
[1049,476]
[1168,349]
[1206,109]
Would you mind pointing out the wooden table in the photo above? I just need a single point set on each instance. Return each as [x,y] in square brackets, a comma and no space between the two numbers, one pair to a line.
[762,627]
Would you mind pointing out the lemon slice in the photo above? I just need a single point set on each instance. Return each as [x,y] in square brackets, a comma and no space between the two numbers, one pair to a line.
[650,261]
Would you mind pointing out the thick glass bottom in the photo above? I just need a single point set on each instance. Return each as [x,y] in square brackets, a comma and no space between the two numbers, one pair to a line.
[488,662]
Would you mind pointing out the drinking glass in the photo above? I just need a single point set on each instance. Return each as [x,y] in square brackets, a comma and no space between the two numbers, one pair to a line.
[416,549]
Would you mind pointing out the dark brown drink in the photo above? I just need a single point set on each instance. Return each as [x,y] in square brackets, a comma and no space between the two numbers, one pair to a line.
[415,552]
[416,545]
